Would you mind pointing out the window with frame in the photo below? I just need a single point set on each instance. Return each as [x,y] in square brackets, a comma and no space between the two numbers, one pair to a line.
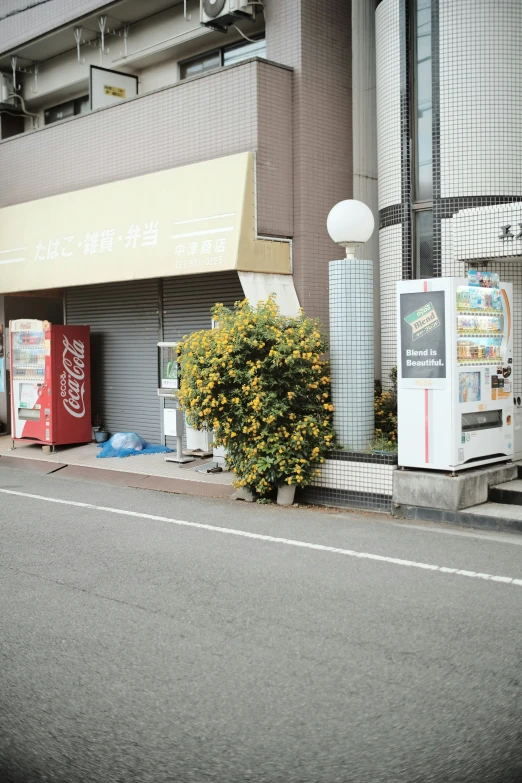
[67,109]
[422,131]
[226,55]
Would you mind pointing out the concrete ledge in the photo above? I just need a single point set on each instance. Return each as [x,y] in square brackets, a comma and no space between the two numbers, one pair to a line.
[32,465]
[432,490]
[487,517]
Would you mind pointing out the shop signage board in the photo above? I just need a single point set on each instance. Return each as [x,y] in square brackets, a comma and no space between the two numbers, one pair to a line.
[423,338]
[107,87]
[188,220]
[485,233]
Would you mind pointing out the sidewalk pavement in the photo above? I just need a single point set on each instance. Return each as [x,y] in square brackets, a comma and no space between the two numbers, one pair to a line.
[149,471]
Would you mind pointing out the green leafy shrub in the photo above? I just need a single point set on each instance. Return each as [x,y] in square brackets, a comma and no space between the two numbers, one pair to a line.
[385,403]
[258,382]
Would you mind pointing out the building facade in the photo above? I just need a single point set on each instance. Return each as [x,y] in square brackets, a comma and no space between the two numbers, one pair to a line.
[151,167]
[134,129]
[449,150]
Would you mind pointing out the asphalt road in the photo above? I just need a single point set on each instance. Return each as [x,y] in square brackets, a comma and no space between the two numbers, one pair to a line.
[134,649]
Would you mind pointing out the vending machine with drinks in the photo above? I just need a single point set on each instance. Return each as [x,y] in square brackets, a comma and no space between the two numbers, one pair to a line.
[50,382]
[455,372]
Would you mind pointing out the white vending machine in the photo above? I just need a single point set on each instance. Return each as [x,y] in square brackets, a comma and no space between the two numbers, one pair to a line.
[455,372]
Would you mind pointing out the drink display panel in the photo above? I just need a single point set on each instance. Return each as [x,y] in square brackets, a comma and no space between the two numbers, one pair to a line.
[28,356]
[480,325]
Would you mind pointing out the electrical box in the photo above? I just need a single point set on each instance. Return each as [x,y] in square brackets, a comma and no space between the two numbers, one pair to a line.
[173,422]
[6,89]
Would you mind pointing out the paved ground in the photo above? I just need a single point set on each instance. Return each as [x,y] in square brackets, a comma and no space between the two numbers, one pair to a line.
[140,649]
[86,456]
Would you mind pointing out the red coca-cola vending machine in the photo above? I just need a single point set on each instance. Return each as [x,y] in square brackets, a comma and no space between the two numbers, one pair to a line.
[50,383]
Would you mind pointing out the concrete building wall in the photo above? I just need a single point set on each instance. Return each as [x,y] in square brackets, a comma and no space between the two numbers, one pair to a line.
[301,129]
[246,107]
[315,40]
[476,89]
[156,46]
[387,24]
[364,126]
[21,20]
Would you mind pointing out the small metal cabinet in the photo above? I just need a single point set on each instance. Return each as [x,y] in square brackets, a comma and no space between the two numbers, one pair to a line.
[168,386]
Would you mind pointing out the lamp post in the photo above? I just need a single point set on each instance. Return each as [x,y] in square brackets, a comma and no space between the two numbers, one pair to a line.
[350,223]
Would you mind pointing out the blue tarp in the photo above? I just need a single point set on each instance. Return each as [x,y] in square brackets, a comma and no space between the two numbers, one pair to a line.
[128,444]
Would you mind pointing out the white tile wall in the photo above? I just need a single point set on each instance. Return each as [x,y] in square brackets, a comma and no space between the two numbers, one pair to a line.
[387,36]
[351,351]
[356,476]
[461,231]
[390,251]
[480,97]
[477,232]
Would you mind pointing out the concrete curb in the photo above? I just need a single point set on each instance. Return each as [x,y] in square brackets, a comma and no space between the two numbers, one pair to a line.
[178,485]
[470,518]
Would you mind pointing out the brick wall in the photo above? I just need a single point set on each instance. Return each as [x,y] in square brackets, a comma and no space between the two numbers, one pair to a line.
[241,108]
[314,38]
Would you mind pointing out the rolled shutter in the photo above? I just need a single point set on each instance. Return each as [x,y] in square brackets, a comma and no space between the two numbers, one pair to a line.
[124,325]
[187,301]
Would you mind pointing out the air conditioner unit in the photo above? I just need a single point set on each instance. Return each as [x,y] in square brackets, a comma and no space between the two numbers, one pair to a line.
[6,89]
[223,13]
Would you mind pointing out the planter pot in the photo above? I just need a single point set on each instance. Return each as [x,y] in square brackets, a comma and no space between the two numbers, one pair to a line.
[101,436]
[285,495]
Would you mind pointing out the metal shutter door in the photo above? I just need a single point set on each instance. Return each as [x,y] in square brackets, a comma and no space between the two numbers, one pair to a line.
[187,301]
[124,332]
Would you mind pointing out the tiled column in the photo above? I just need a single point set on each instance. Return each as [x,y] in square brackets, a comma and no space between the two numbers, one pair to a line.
[351,351]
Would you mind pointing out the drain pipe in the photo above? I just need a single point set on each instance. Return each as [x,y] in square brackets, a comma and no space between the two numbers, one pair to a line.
[26,113]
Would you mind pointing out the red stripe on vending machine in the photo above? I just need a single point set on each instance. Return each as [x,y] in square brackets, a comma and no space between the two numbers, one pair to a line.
[50,382]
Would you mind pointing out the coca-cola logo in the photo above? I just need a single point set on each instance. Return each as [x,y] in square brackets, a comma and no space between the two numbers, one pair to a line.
[72,379]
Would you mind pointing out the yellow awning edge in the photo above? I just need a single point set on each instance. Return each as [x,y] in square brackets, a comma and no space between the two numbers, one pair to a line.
[192,219]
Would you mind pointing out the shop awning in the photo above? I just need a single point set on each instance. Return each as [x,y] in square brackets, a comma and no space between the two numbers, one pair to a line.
[193,219]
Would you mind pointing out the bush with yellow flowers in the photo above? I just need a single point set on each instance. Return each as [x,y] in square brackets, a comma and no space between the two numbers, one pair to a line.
[385,404]
[257,381]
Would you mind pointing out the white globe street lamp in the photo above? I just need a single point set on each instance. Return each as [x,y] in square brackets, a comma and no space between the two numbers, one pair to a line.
[350,223]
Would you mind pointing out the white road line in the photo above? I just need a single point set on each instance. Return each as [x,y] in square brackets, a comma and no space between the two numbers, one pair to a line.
[274,539]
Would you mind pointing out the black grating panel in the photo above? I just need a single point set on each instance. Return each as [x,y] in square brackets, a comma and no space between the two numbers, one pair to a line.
[124,334]
[424,243]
